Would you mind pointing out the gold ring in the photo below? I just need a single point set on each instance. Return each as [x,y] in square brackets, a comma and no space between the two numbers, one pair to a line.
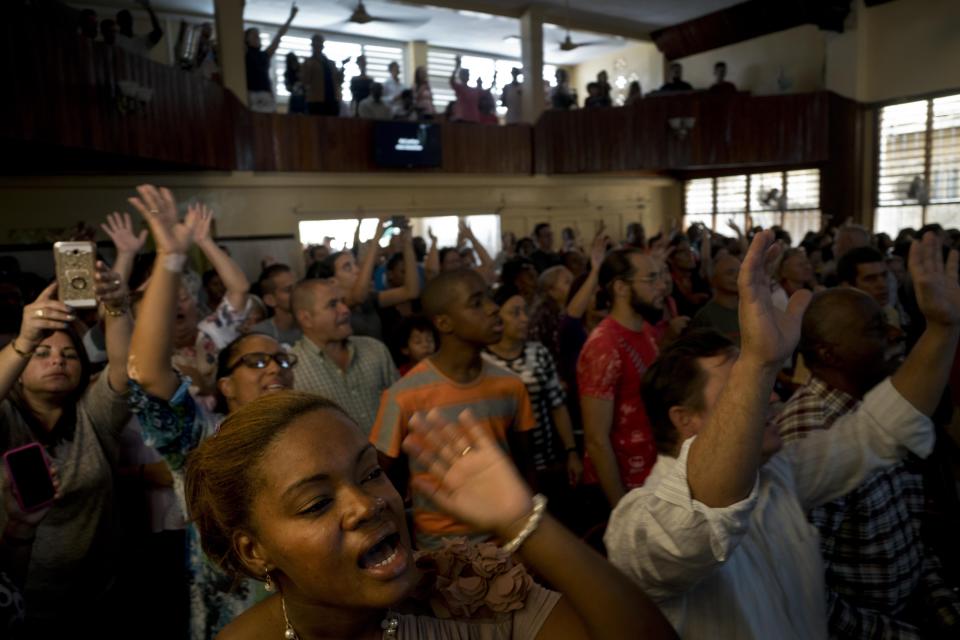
[39,313]
[467,450]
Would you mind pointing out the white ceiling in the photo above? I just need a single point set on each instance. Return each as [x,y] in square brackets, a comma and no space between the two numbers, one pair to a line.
[473,29]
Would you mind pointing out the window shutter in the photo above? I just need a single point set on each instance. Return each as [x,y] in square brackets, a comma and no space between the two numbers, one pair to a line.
[903,135]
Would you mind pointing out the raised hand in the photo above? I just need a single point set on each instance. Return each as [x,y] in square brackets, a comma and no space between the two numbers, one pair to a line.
[767,335]
[199,217]
[381,228]
[598,250]
[731,223]
[936,286]
[468,474]
[159,209]
[431,235]
[110,290]
[120,229]
[46,313]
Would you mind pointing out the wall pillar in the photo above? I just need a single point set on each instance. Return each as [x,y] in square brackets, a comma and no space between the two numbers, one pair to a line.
[415,56]
[531,47]
[229,18]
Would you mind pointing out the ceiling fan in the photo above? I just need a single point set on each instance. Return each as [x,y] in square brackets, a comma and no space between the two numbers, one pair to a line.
[567,44]
[361,16]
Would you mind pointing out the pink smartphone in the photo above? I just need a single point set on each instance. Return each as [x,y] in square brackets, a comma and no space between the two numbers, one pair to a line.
[30,475]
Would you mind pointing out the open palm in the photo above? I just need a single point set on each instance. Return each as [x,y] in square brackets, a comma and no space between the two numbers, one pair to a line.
[468,474]
[159,208]
[121,232]
[767,335]
[936,286]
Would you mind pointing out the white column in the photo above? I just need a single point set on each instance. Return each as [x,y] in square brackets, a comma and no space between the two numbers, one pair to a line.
[531,47]
[416,56]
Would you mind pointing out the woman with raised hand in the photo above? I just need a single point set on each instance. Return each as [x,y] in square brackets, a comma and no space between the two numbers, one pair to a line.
[290,492]
[197,341]
[47,396]
[172,421]
[356,279]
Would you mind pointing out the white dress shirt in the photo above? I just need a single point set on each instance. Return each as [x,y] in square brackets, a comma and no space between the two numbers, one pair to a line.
[391,93]
[753,570]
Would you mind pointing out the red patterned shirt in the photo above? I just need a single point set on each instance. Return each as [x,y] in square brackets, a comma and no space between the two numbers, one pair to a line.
[611,366]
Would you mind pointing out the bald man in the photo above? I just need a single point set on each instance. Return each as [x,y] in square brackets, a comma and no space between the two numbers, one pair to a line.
[350,370]
[877,566]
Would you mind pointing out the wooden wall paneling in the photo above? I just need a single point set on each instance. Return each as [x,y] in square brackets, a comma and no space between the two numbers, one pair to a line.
[842,175]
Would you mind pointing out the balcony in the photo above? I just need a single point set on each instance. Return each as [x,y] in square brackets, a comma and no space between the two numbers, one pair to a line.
[82,106]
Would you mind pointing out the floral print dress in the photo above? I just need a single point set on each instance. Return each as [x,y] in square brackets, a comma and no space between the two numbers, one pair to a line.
[175,427]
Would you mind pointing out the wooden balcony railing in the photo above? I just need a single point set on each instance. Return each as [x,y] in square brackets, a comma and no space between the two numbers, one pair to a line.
[69,107]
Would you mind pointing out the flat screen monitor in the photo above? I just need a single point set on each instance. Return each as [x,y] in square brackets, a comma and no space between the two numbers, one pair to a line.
[406,145]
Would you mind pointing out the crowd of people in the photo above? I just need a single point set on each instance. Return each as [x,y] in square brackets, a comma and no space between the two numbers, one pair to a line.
[315,84]
[427,441]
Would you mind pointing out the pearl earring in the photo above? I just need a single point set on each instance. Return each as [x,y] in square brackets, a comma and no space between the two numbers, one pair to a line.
[270,587]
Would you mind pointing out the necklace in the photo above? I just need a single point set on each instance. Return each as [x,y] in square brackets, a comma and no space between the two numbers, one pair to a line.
[390,625]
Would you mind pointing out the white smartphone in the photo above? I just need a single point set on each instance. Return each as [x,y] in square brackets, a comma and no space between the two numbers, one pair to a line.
[76,265]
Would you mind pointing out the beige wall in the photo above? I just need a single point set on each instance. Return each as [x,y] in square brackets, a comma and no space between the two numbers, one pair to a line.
[900,49]
[39,209]
[795,56]
[913,48]
[637,61]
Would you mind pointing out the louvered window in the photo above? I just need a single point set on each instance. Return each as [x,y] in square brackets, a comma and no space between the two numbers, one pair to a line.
[379,57]
[789,199]
[918,180]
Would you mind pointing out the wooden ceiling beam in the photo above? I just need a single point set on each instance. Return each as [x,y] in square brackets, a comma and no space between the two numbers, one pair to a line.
[745,21]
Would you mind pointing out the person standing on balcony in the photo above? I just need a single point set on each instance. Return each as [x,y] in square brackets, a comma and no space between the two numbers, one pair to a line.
[562,96]
[374,107]
[512,98]
[321,80]
[393,88]
[467,106]
[259,87]
[722,85]
[294,85]
[423,94]
[140,45]
[676,83]
[360,86]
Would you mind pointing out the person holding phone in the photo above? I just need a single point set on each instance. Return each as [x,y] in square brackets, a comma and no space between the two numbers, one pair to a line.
[47,397]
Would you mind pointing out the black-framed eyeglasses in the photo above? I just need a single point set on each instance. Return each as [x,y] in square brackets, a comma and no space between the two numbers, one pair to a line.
[261,360]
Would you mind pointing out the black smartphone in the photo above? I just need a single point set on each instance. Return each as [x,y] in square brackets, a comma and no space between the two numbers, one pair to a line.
[30,474]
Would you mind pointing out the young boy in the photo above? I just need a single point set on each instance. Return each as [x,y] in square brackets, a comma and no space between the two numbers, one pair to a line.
[415,340]
[453,379]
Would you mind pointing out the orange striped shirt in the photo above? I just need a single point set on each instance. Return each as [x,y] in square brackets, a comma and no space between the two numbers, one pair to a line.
[498,398]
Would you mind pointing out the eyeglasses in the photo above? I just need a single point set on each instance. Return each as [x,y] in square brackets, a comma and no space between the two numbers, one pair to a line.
[261,360]
[652,278]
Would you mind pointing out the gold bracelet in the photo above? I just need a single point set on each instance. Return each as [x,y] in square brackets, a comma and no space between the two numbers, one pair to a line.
[116,313]
[26,355]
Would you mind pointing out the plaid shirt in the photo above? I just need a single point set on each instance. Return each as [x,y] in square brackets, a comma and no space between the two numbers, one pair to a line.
[357,390]
[877,570]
